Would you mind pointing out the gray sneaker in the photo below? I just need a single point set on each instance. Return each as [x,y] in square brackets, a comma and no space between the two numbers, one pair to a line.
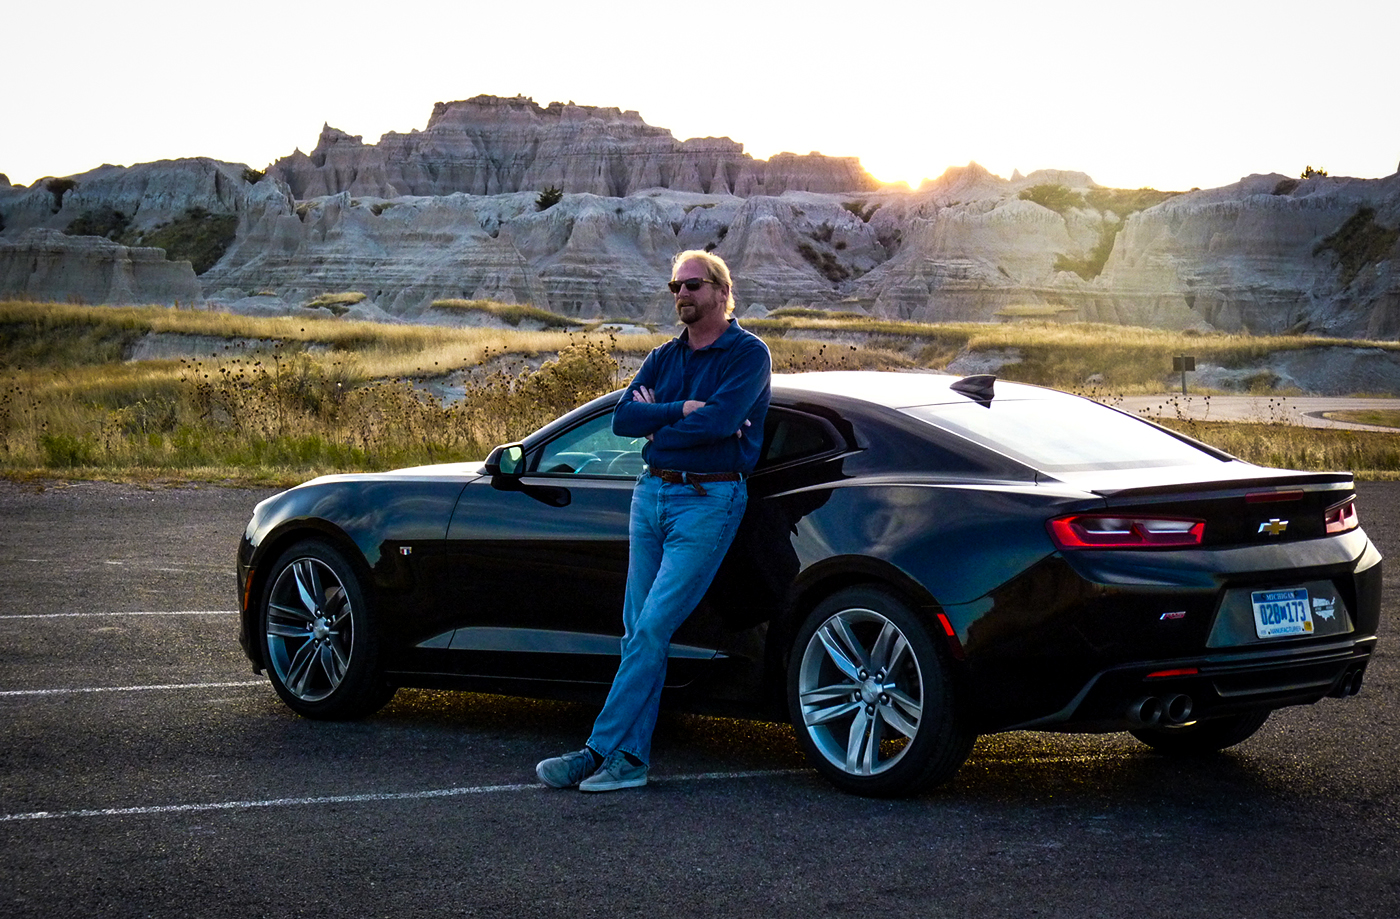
[565,771]
[616,772]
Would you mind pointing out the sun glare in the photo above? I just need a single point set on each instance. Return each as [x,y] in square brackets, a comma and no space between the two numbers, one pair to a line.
[900,167]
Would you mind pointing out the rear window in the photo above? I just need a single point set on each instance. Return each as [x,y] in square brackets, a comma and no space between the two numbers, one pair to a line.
[1062,435]
[789,437]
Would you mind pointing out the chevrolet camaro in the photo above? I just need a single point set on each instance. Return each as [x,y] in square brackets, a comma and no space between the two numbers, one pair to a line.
[925,558]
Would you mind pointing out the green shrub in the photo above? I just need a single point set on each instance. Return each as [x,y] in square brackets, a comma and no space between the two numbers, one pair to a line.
[104,222]
[1055,197]
[58,188]
[549,197]
[1091,265]
[64,451]
[1123,202]
[861,211]
[253,176]
[199,237]
[1359,242]
[825,262]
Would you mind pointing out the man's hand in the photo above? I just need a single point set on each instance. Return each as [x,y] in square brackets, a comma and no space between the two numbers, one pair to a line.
[642,394]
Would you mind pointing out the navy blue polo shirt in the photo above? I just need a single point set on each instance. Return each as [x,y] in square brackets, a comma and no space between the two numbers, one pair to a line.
[731,376]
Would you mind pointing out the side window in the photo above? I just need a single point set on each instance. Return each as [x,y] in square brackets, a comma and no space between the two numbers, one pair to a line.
[788,436]
[591,449]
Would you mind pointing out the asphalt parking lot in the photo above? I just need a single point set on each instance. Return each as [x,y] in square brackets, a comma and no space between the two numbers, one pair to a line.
[145,771]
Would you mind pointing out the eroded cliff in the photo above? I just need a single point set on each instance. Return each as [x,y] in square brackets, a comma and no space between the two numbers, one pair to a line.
[454,211]
[489,145]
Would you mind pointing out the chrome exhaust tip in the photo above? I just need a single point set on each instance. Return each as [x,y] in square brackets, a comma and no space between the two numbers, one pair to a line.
[1349,684]
[1145,712]
[1353,682]
[1177,709]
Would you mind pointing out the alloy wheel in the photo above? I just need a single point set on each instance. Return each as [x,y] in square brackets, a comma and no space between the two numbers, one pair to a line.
[860,691]
[310,629]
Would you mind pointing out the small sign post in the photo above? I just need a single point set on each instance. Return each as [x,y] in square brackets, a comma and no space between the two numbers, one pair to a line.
[1183,363]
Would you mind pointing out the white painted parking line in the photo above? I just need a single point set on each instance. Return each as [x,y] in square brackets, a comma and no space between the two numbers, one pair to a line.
[64,692]
[170,612]
[364,798]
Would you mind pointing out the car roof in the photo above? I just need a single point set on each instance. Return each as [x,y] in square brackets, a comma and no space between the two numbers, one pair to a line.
[897,390]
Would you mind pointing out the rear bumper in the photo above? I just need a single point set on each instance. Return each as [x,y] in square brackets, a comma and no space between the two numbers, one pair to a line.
[1214,686]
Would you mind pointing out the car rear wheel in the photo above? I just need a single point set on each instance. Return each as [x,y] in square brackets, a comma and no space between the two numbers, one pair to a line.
[1200,737]
[872,699]
[318,638]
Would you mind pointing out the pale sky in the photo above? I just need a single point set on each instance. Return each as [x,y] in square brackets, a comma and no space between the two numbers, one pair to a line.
[1172,95]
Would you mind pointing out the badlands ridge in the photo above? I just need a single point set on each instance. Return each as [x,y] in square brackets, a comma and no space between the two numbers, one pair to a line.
[453,212]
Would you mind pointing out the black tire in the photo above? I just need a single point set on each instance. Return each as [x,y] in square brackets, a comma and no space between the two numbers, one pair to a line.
[318,636]
[1202,737]
[872,699]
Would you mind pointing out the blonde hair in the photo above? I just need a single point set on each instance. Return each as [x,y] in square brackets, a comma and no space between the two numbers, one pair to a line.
[715,269]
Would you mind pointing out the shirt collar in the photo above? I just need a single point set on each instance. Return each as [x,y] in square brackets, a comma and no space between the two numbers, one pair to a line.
[726,338]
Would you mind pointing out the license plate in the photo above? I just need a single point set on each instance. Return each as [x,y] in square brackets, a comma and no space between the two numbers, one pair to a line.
[1280,613]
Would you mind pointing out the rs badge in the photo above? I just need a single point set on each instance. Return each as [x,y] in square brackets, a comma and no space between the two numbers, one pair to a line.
[1273,527]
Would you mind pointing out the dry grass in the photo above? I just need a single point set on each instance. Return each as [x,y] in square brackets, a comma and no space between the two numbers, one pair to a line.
[1034,312]
[281,417]
[294,397]
[510,313]
[287,398]
[1127,359]
[63,335]
[1381,418]
[1366,454]
[344,298]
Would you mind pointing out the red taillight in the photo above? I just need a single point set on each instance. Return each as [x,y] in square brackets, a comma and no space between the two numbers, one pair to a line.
[1097,531]
[1163,674]
[1342,518]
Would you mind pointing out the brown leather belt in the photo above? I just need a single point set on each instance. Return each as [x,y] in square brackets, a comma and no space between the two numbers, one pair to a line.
[695,479]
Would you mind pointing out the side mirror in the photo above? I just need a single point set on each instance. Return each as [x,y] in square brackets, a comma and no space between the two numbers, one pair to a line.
[507,459]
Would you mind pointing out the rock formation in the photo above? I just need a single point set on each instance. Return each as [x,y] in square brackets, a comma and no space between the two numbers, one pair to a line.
[46,265]
[1255,256]
[489,146]
[147,194]
[451,212]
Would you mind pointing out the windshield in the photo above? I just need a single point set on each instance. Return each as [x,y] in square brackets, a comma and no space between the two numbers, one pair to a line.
[1063,434]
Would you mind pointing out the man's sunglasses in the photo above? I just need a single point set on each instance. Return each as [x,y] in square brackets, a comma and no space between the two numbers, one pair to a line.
[690,284]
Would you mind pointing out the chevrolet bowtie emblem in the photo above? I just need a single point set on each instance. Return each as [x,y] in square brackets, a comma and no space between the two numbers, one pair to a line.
[1273,527]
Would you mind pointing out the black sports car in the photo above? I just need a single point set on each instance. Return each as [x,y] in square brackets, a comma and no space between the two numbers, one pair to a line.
[924,559]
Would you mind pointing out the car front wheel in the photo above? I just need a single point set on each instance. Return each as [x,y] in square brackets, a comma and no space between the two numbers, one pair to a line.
[318,640]
[872,699]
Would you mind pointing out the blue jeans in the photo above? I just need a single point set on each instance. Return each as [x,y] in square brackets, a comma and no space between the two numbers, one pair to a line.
[678,537]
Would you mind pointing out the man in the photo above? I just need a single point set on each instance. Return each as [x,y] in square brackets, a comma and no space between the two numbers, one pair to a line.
[700,400]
